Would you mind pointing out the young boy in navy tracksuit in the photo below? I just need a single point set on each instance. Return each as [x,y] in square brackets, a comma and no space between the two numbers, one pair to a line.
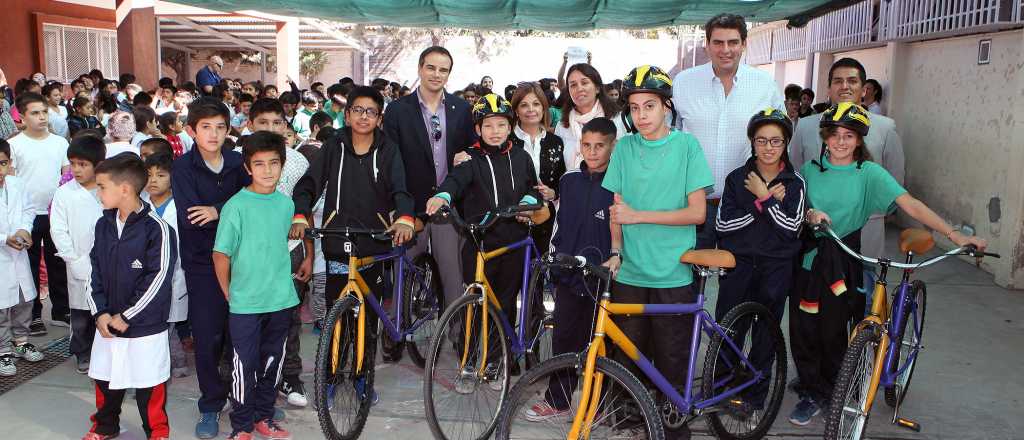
[202,181]
[759,221]
[133,259]
[581,228]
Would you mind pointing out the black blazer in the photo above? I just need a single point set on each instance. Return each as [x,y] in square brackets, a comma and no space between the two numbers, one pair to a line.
[403,124]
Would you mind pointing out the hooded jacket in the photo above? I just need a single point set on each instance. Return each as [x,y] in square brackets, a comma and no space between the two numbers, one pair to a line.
[360,190]
[132,272]
[767,229]
[494,177]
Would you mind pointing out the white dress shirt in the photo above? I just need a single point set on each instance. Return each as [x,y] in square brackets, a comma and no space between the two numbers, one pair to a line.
[719,122]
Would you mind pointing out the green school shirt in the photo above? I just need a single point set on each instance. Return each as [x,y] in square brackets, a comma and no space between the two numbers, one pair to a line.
[849,195]
[253,232]
[657,176]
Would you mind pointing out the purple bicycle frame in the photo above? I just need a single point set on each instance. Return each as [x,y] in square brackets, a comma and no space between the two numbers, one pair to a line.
[702,323]
[519,344]
[396,334]
[902,301]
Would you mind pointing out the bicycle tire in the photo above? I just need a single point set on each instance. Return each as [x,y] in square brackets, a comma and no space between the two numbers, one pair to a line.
[428,298]
[895,394]
[525,392]
[452,318]
[541,349]
[324,388]
[853,382]
[748,314]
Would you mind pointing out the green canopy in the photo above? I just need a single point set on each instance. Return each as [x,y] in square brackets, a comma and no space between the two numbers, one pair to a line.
[550,15]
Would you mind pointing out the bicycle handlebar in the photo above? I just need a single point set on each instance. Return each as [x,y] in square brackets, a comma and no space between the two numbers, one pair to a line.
[490,217]
[970,250]
[376,234]
[579,262]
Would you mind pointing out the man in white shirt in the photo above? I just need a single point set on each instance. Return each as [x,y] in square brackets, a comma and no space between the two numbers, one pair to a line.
[39,158]
[715,101]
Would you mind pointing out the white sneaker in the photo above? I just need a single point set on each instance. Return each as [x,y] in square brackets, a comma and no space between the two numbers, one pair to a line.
[294,392]
[28,352]
[7,367]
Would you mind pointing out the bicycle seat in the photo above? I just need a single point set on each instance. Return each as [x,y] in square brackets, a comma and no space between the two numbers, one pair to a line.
[709,258]
[916,240]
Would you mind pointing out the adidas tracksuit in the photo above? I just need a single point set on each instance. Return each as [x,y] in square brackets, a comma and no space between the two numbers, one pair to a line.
[581,228]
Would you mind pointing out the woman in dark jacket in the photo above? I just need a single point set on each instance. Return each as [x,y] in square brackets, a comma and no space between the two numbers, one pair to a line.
[532,123]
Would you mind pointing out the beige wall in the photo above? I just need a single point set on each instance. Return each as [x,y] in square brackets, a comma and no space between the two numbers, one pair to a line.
[962,137]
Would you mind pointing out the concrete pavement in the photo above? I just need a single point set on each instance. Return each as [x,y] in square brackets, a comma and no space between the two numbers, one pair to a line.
[966,386]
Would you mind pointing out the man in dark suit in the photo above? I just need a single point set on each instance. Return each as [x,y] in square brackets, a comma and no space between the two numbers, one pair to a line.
[430,127]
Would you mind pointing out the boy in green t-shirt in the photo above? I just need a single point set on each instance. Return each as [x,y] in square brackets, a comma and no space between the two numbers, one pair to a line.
[255,275]
[659,177]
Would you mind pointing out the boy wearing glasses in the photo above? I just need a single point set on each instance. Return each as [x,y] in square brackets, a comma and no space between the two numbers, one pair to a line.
[759,222]
[360,174]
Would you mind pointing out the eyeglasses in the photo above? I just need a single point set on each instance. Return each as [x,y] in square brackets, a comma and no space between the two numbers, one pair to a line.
[774,142]
[369,112]
[435,127]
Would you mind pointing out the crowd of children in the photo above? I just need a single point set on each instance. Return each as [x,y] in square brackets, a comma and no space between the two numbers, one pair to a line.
[177,226]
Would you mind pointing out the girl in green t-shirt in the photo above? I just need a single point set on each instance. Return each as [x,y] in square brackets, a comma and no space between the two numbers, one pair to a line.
[658,176]
[844,188]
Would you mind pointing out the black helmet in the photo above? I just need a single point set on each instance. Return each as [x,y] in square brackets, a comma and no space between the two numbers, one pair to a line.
[770,115]
[491,105]
[647,79]
[847,115]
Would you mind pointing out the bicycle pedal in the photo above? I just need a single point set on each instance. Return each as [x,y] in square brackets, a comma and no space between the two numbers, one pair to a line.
[909,424]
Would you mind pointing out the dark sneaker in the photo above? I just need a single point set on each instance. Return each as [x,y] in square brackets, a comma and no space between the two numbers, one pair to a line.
[209,425]
[28,352]
[7,367]
[37,328]
[82,365]
[291,388]
[804,411]
[360,386]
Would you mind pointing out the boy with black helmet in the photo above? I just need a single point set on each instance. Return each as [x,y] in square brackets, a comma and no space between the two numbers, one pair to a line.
[759,220]
[659,177]
[495,176]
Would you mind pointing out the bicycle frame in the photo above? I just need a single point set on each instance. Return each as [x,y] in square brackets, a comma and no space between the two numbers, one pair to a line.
[604,327]
[356,286]
[519,344]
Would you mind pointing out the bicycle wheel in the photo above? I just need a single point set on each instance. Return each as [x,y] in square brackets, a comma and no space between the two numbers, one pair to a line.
[624,410]
[751,412]
[846,416]
[540,325]
[461,401]
[423,300]
[909,344]
[343,397]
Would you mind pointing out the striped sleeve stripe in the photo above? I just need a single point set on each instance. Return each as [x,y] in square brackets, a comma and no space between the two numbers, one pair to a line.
[791,223]
[732,226]
[158,280]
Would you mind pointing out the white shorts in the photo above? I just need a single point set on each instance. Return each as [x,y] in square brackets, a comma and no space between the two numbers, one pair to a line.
[131,362]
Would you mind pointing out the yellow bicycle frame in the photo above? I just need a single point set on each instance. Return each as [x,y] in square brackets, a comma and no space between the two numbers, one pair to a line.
[878,316]
[355,286]
[591,390]
[489,300]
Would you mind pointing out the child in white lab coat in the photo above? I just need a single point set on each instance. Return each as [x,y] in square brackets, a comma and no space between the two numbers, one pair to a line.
[17,291]
[73,215]
[158,188]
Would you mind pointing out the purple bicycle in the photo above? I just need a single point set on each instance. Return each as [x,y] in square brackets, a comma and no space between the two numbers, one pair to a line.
[884,346]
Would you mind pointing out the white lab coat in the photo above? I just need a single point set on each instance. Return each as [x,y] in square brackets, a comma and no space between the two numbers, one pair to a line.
[73,216]
[16,213]
[179,293]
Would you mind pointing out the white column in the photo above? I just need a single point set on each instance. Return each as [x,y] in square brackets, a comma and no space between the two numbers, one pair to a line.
[287,52]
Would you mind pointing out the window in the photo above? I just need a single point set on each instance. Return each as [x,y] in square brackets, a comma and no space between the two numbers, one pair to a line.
[70,51]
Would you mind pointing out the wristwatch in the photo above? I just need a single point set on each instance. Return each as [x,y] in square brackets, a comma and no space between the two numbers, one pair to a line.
[615,253]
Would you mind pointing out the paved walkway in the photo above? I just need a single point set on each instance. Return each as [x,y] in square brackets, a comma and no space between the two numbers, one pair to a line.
[967,385]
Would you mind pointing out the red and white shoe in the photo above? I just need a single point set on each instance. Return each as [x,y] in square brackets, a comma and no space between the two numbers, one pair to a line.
[97,436]
[542,411]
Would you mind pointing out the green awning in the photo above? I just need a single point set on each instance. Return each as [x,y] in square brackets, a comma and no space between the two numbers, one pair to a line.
[549,15]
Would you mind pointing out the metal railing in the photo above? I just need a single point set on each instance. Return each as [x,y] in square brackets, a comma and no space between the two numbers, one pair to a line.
[910,19]
[847,27]
[789,44]
[759,48]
